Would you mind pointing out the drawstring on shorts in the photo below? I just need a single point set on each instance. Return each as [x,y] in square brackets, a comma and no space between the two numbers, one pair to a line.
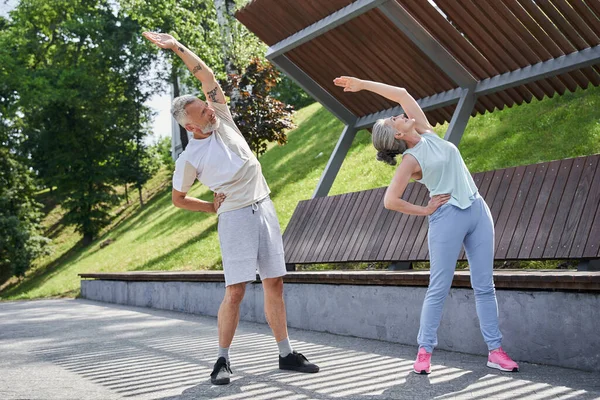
[255,205]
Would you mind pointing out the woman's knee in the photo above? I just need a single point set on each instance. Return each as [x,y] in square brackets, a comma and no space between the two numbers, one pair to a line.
[484,290]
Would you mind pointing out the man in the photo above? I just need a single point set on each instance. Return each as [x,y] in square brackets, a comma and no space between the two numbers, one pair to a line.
[219,157]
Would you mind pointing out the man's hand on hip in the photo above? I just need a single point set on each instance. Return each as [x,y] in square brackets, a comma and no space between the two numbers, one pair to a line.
[218,199]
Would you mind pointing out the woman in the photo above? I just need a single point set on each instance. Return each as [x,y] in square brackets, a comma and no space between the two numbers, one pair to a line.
[457,216]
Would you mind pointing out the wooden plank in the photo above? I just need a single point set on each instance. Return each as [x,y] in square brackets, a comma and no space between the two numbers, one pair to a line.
[401,226]
[561,23]
[551,208]
[577,22]
[352,217]
[334,224]
[376,239]
[317,206]
[501,193]
[592,246]
[361,254]
[396,70]
[301,231]
[594,5]
[584,12]
[372,208]
[482,40]
[321,210]
[576,208]
[507,204]
[562,212]
[456,44]
[294,221]
[592,205]
[394,225]
[547,25]
[361,227]
[405,244]
[507,38]
[550,175]
[515,213]
[318,244]
[334,211]
[420,229]
[385,231]
[336,240]
[297,230]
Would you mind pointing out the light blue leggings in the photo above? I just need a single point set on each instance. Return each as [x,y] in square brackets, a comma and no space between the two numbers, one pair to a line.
[449,228]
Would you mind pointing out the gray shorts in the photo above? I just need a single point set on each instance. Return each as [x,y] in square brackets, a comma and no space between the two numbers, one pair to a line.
[250,238]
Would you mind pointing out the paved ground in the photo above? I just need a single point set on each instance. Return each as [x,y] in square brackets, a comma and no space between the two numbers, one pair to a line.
[77,349]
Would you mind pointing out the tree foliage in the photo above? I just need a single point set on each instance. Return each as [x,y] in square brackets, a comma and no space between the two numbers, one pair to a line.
[20,238]
[260,116]
[76,71]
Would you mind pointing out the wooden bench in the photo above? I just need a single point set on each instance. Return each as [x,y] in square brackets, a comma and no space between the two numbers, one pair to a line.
[542,211]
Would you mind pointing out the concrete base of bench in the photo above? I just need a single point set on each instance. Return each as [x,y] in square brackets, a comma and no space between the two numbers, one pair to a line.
[554,327]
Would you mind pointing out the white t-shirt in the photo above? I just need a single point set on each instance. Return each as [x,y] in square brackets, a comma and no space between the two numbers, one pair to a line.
[224,163]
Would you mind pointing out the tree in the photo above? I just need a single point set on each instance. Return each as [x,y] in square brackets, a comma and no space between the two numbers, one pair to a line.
[260,116]
[20,238]
[77,61]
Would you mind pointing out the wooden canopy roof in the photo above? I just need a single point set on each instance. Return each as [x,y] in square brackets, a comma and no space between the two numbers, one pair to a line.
[504,52]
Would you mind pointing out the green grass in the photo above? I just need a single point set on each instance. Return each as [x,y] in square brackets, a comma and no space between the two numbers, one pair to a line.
[160,237]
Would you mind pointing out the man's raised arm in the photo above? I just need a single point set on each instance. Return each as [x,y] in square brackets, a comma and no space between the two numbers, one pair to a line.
[205,75]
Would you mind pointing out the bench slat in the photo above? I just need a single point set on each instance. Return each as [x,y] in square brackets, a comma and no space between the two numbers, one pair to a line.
[537,251]
[588,166]
[592,204]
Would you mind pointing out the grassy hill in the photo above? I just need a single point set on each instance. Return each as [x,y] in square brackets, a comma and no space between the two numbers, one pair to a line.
[160,237]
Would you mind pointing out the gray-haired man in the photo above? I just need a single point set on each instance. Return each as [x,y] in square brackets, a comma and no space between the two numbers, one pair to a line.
[219,157]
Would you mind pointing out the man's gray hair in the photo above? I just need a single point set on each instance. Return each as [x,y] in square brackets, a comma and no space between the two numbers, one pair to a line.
[178,108]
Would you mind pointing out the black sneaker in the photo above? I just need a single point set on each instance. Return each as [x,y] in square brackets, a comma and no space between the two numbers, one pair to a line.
[297,362]
[221,372]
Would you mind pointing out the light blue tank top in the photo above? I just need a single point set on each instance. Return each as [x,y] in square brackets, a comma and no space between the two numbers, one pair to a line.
[444,170]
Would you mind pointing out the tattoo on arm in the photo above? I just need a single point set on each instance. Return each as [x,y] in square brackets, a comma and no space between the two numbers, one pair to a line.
[181,49]
[196,69]
[213,94]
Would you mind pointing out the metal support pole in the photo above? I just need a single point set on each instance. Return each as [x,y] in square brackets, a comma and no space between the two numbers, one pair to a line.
[335,161]
[461,115]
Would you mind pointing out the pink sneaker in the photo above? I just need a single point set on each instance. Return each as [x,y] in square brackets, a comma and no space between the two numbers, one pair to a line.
[500,360]
[423,362]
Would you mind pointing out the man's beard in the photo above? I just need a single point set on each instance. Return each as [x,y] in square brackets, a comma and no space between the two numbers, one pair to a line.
[212,127]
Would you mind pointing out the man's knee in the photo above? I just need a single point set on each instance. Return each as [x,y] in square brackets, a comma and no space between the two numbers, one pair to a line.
[273,286]
[235,293]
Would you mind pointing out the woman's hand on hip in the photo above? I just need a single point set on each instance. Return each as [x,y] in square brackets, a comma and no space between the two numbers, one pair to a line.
[436,202]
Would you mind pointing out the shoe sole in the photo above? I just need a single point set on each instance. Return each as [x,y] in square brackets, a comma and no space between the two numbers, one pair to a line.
[422,372]
[300,369]
[222,381]
[497,366]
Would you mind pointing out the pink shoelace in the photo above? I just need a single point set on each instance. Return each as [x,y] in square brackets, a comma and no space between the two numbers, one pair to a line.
[502,354]
[422,357]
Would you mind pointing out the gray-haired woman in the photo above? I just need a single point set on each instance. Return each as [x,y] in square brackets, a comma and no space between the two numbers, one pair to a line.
[457,216]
